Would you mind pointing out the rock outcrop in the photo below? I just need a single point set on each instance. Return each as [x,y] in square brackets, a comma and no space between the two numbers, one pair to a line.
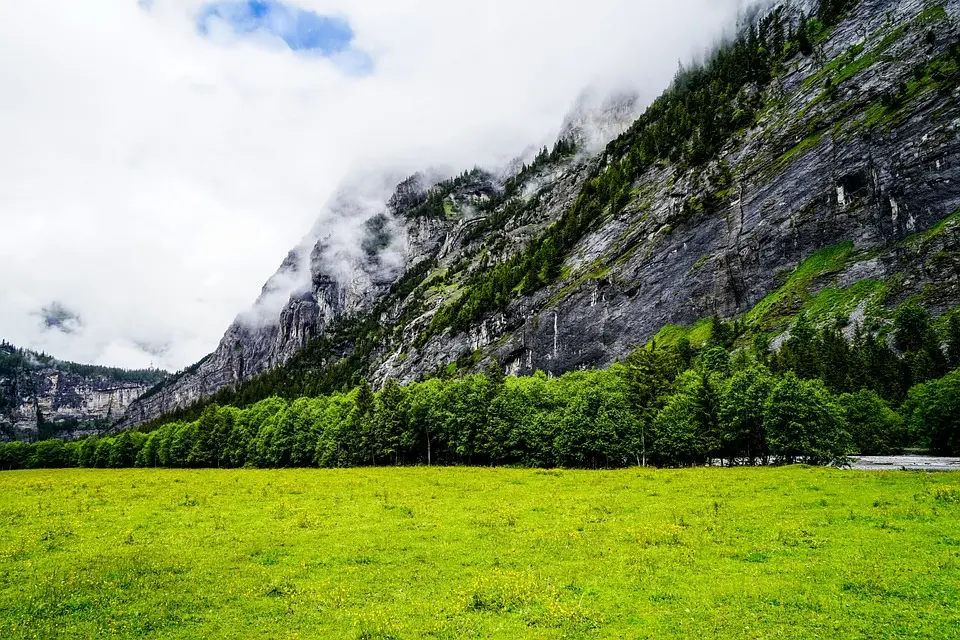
[42,397]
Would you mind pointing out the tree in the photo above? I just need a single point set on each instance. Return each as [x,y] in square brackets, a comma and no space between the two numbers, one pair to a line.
[147,457]
[875,429]
[364,424]
[390,420]
[684,351]
[804,423]
[676,432]
[522,423]
[465,405]
[650,373]
[932,411]
[181,444]
[721,333]
[240,447]
[423,411]
[716,360]
[706,393]
[101,458]
[495,374]
[88,453]
[741,416]
[926,364]
[834,359]
[209,438]
[304,415]
[270,449]
[761,348]
[50,454]
[275,445]
[874,365]
[13,455]
[596,426]
[801,352]
[685,430]
[911,326]
[953,341]
[251,443]
[779,37]
[330,428]
[123,453]
[803,36]
[165,443]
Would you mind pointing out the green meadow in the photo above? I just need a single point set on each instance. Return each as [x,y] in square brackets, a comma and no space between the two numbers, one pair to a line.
[791,552]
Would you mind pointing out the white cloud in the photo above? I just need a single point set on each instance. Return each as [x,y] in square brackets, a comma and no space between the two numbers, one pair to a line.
[151,179]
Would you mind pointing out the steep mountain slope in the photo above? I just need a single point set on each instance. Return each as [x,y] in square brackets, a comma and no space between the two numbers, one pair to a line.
[42,397]
[811,166]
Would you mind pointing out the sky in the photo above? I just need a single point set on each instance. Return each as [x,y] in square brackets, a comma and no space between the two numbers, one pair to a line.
[159,158]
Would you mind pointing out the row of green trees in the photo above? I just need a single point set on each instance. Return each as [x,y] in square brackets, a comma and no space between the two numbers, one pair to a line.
[916,351]
[662,406]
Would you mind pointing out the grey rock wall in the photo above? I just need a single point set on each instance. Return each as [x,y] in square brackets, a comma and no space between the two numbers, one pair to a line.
[47,401]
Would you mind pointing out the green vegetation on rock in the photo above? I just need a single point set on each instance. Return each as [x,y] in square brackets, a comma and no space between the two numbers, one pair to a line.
[790,297]
[15,361]
[698,335]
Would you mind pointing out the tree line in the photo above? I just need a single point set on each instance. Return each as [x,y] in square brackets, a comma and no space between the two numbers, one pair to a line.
[663,405]
[15,361]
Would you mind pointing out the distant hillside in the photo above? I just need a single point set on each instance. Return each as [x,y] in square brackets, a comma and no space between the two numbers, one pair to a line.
[43,397]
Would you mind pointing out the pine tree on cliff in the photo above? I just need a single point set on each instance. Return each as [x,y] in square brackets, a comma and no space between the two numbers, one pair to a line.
[803,36]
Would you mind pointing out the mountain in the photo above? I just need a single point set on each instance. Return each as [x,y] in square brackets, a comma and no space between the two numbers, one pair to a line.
[43,397]
[811,166]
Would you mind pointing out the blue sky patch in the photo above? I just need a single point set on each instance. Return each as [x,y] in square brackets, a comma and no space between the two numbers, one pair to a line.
[301,30]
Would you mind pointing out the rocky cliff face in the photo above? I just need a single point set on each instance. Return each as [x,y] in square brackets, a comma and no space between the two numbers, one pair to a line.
[839,199]
[41,397]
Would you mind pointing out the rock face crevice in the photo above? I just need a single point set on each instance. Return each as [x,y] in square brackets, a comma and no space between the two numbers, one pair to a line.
[822,165]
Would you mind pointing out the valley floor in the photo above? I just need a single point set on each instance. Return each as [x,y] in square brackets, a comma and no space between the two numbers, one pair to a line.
[487,553]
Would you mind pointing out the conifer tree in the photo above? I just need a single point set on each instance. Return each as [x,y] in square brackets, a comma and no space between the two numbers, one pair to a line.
[803,36]
[911,325]
[953,341]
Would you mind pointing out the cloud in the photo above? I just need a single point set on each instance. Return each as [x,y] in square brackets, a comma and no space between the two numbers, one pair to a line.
[154,176]
[56,317]
[342,246]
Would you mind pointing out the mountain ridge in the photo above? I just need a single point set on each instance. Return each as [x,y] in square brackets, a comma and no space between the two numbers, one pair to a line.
[826,139]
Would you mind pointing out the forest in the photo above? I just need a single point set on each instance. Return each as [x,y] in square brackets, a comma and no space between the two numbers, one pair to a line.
[817,400]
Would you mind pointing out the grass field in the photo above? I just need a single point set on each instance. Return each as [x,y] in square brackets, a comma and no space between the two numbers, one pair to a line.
[487,553]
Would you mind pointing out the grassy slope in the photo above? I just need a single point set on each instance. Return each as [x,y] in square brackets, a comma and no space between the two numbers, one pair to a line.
[405,553]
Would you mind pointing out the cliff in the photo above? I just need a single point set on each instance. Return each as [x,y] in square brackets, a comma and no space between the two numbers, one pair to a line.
[42,397]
